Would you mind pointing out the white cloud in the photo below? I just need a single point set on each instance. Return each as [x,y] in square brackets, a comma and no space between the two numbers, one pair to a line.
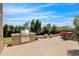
[46,5]
[27,18]
[35,15]
[70,13]
[39,16]
[21,9]
[58,22]
[16,10]
[13,23]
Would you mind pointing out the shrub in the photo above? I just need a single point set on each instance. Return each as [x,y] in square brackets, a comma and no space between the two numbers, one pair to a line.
[76,24]
[54,29]
[64,35]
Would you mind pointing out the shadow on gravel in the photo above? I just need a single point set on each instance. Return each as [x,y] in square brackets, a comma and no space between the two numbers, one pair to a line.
[73,52]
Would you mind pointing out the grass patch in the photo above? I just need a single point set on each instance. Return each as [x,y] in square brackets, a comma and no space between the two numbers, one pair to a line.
[7,40]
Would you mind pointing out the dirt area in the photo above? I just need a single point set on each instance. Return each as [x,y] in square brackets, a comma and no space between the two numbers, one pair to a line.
[43,47]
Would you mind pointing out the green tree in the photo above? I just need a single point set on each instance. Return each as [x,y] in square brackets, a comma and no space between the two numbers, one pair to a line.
[37,26]
[44,30]
[33,25]
[26,25]
[5,30]
[10,30]
[64,28]
[76,24]
[54,29]
[48,28]
[17,29]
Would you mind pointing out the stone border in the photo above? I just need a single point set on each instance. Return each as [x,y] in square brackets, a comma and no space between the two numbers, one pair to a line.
[16,38]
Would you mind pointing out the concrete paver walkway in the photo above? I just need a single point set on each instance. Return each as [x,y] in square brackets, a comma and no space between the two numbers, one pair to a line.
[43,47]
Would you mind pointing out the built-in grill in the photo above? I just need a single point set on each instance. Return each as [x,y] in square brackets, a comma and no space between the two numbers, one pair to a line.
[23,37]
[24,33]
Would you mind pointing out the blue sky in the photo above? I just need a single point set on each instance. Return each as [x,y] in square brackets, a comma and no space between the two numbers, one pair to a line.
[53,13]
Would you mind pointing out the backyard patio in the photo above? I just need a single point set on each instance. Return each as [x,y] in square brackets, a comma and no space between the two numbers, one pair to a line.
[43,47]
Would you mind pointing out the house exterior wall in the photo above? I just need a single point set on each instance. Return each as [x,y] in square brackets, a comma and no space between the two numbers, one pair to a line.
[1,29]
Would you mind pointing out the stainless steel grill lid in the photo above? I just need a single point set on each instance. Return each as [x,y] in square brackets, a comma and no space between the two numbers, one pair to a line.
[24,32]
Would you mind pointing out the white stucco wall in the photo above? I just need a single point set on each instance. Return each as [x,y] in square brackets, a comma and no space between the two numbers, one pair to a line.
[1,29]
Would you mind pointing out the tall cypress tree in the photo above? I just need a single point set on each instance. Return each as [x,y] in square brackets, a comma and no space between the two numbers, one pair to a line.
[33,25]
[38,26]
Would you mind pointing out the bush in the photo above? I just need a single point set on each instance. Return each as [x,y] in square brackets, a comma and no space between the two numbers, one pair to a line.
[64,35]
[54,29]
[76,24]
[77,36]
